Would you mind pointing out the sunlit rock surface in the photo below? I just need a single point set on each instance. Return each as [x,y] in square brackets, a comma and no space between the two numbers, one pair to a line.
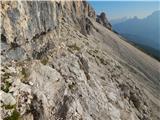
[58,63]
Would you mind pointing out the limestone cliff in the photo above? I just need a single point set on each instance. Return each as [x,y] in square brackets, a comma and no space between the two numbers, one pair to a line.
[58,63]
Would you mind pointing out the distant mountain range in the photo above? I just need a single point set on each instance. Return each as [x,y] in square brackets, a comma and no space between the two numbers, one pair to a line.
[119,20]
[145,33]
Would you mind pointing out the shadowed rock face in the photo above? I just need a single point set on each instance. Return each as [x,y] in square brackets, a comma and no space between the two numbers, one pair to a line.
[58,63]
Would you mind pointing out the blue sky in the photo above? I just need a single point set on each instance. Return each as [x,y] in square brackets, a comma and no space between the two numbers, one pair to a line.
[119,9]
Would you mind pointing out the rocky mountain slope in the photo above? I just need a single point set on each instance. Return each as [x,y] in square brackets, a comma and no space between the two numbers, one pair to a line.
[58,63]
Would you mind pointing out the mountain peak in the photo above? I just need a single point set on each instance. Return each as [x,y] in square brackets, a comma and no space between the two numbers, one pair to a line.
[102,19]
[135,17]
[156,12]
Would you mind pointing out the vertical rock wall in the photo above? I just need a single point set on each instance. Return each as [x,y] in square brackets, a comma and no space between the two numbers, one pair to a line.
[22,21]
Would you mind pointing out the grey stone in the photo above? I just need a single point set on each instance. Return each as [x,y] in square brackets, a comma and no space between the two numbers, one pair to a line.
[7,98]
[17,53]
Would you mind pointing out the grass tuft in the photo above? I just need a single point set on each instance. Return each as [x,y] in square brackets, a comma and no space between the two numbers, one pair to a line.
[45,60]
[14,116]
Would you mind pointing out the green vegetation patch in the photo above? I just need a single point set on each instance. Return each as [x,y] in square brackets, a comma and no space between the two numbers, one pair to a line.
[72,86]
[74,47]
[7,107]
[6,86]
[24,73]
[14,116]
[5,76]
[45,60]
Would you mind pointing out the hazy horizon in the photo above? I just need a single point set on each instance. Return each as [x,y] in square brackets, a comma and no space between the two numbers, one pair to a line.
[129,9]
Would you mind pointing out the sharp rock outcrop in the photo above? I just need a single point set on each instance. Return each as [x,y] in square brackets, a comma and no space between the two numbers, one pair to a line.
[102,19]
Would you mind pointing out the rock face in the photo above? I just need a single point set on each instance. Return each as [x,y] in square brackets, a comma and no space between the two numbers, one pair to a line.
[58,63]
[102,19]
[23,21]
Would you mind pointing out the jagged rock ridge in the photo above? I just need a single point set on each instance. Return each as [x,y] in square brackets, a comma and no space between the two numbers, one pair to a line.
[58,63]
[103,20]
